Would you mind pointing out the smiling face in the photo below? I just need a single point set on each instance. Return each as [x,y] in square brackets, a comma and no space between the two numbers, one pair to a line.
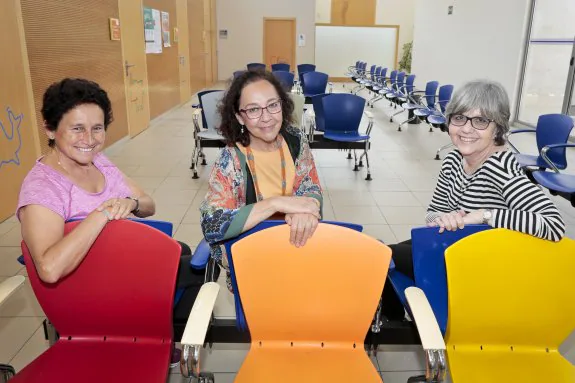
[470,141]
[265,129]
[80,135]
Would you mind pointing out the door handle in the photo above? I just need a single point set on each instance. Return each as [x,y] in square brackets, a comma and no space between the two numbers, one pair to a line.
[128,66]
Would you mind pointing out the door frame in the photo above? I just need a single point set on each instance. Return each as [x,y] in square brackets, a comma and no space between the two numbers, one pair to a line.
[292,19]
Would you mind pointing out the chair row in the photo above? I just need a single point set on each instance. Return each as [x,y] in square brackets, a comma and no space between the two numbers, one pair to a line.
[467,312]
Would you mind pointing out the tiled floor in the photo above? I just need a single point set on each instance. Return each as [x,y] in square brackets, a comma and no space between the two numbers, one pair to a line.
[403,172]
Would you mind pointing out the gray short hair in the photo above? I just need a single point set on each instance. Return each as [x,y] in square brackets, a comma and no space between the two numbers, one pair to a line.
[490,98]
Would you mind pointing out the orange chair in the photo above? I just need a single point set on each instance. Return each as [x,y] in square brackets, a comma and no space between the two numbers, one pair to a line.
[308,309]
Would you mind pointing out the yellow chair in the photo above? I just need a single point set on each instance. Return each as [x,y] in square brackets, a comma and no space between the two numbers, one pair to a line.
[511,305]
[308,309]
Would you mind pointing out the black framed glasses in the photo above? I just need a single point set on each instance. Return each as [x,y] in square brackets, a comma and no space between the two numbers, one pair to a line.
[478,122]
[256,112]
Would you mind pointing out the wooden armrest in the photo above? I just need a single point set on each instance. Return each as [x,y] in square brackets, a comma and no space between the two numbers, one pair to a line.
[201,314]
[9,287]
[429,333]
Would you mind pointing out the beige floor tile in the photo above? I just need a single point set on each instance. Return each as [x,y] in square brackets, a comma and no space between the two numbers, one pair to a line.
[404,215]
[14,333]
[395,199]
[381,232]
[402,232]
[354,198]
[420,183]
[7,225]
[174,197]
[424,197]
[148,182]
[181,183]
[170,213]
[225,306]
[189,233]
[153,171]
[12,238]
[35,346]
[359,214]
[9,265]
[22,304]
[385,184]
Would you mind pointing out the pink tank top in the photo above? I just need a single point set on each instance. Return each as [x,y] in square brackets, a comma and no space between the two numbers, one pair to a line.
[45,186]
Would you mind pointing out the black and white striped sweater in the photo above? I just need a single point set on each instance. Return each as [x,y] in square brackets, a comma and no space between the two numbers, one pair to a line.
[501,185]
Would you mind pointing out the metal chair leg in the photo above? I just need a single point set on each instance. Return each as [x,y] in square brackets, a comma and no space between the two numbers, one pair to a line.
[377,322]
[50,332]
[356,167]
[6,373]
[442,149]
[368,178]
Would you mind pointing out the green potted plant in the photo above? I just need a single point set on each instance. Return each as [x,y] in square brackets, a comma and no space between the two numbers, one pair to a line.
[405,62]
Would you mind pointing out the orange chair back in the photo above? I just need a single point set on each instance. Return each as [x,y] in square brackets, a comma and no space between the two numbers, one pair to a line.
[326,291]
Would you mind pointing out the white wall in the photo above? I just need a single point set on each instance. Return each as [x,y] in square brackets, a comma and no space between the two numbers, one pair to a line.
[481,39]
[243,20]
[397,12]
[323,11]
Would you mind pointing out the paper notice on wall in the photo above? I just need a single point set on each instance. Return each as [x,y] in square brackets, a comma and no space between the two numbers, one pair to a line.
[166,29]
[153,23]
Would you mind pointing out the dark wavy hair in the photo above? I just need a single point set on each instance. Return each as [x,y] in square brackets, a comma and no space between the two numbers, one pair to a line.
[62,96]
[230,128]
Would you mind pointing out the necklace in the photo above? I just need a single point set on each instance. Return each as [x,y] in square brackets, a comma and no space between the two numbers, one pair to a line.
[252,165]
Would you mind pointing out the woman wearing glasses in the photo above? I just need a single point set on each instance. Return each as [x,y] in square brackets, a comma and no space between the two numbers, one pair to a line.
[480,181]
[266,168]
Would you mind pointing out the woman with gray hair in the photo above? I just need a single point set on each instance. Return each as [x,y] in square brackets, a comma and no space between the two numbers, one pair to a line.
[480,181]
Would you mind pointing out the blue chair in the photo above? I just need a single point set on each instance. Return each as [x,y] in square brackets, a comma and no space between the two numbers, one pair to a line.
[428,248]
[240,317]
[208,110]
[437,119]
[551,129]
[374,79]
[555,181]
[303,68]
[401,96]
[285,78]
[256,66]
[314,83]
[342,115]
[238,73]
[381,85]
[414,103]
[385,89]
[280,67]
[395,89]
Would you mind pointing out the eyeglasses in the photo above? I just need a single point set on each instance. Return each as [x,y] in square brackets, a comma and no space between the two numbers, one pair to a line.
[478,122]
[256,112]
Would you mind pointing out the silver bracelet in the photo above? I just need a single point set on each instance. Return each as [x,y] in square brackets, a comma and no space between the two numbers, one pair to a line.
[107,214]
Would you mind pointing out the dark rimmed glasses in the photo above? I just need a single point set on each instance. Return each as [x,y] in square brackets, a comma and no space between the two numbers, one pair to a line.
[478,122]
[255,112]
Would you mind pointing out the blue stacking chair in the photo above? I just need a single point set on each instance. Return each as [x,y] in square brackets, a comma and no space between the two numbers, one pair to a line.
[380,84]
[285,78]
[342,115]
[280,67]
[385,89]
[256,66]
[414,103]
[402,95]
[314,83]
[208,109]
[551,129]
[396,88]
[428,248]
[437,118]
[240,317]
[238,73]
[303,68]
[374,79]
[318,121]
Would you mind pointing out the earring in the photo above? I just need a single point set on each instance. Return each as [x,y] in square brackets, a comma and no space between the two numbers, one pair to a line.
[242,130]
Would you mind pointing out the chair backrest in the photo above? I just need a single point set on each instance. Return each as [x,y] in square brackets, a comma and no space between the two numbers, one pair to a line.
[376,74]
[509,289]
[238,73]
[314,83]
[428,249]
[209,101]
[409,83]
[240,317]
[382,76]
[298,104]
[128,273]
[430,91]
[303,68]
[318,110]
[372,71]
[393,78]
[399,81]
[318,292]
[256,66]
[280,67]
[554,129]
[444,96]
[285,78]
[163,226]
[342,112]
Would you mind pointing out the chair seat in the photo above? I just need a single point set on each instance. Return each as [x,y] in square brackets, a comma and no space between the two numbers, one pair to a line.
[384,91]
[210,135]
[508,366]
[526,160]
[307,365]
[560,182]
[346,137]
[436,119]
[410,106]
[422,112]
[97,362]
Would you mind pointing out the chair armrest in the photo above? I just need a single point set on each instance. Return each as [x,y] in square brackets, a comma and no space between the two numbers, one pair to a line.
[196,329]
[546,158]
[368,114]
[521,131]
[201,255]
[9,287]
[429,333]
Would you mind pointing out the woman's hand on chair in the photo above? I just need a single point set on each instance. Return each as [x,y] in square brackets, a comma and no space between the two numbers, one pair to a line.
[303,227]
[450,221]
[298,205]
[118,208]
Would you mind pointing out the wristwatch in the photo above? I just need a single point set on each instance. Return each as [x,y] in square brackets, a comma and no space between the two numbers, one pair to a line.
[137,208]
[487,215]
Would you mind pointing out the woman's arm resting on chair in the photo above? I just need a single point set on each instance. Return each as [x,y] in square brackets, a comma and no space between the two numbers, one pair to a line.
[54,254]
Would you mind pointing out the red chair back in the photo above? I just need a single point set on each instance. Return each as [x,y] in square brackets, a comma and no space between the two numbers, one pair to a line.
[123,289]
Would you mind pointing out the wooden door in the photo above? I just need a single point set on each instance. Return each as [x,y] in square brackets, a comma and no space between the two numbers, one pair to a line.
[183,50]
[214,41]
[197,45]
[135,65]
[279,41]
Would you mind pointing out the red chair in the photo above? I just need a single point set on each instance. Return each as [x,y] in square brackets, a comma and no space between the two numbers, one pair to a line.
[113,313]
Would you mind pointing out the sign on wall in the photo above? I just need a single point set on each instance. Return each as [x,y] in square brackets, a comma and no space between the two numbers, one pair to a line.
[153,30]
[166,29]
[115,33]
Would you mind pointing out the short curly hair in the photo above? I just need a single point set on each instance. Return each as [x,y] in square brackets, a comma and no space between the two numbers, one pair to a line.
[230,128]
[65,95]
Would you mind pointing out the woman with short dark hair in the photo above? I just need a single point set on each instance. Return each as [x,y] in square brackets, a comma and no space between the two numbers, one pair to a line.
[266,167]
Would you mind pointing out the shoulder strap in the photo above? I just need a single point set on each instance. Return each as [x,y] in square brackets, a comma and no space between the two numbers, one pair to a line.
[293,143]
[250,188]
